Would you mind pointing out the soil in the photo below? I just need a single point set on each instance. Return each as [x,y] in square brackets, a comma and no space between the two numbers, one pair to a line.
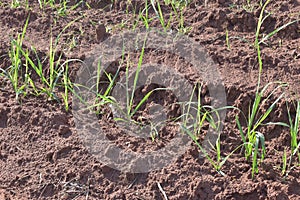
[42,155]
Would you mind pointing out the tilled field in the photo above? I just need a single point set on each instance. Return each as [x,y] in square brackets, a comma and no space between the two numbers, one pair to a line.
[42,155]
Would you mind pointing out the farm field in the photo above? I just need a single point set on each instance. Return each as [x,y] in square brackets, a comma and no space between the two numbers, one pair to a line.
[233,68]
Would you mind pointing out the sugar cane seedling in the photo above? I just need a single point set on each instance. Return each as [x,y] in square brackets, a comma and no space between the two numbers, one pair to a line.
[13,72]
[252,138]
[294,127]
[66,84]
[63,8]
[126,110]
[261,21]
[287,166]
[43,3]
[15,4]
[100,96]
[290,167]
[219,162]
[153,131]
[50,81]
[266,37]
[179,5]
[104,97]
[227,39]
[294,130]
[145,18]
[205,114]
[131,110]
[179,15]
[284,163]
[249,7]
[129,97]
[165,25]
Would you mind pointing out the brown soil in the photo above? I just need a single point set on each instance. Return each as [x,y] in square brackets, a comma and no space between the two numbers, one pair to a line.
[43,157]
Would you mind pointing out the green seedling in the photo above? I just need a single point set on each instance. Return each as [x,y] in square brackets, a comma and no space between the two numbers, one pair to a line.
[49,83]
[287,166]
[179,16]
[145,18]
[153,131]
[66,84]
[257,44]
[219,162]
[294,127]
[104,97]
[13,72]
[258,41]
[178,3]
[15,4]
[269,35]
[252,137]
[63,8]
[131,108]
[284,163]
[294,130]
[204,114]
[130,97]
[165,25]
[43,3]
[227,40]
[249,7]
[266,37]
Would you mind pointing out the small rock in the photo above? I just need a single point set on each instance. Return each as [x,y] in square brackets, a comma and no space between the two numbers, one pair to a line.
[101,33]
